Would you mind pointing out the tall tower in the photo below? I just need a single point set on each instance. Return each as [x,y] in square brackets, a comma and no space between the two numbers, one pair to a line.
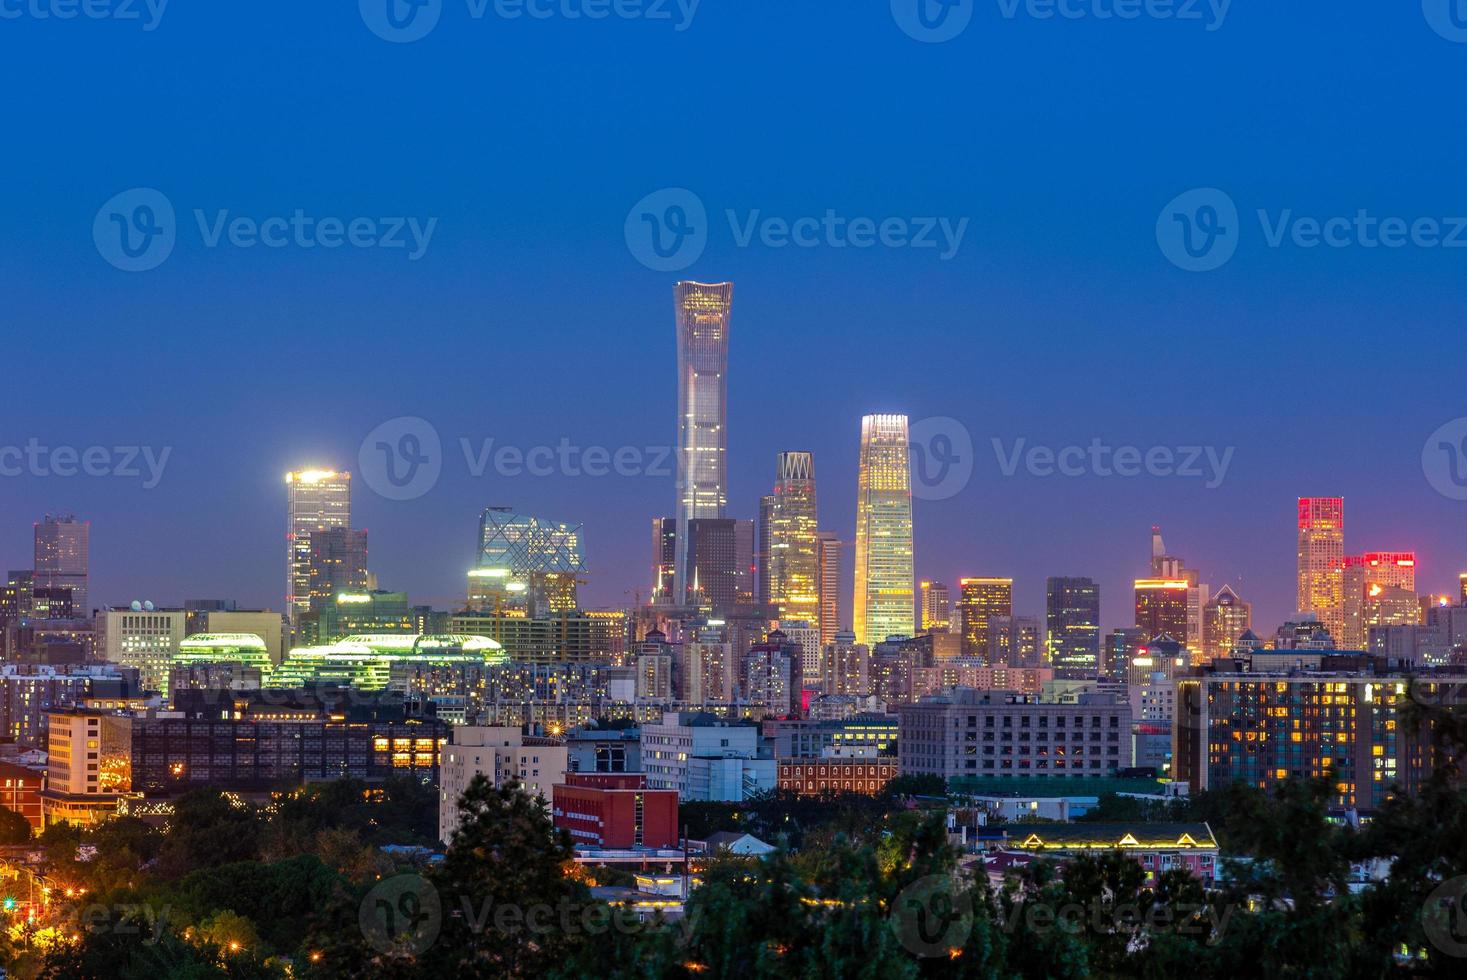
[1072,625]
[702,311]
[982,600]
[1322,561]
[1163,608]
[794,560]
[936,608]
[883,594]
[829,547]
[62,556]
[315,500]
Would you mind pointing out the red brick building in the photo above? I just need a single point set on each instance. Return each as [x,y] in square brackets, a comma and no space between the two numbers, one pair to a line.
[615,810]
[856,774]
[20,790]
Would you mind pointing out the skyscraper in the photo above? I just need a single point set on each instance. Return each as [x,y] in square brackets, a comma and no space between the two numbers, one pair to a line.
[62,549]
[1163,607]
[829,548]
[337,563]
[980,600]
[1072,626]
[702,311]
[1225,619]
[883,595]
[1379,589]
[937,610]
[543,557]
[1322,561]
[794,559]
[763,546]
[315,500]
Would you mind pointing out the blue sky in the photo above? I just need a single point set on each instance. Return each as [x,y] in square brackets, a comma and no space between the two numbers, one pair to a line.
[529,320]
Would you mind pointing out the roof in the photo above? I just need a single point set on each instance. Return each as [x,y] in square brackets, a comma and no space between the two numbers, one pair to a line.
[1094,836]
[738,842]
[1042,787]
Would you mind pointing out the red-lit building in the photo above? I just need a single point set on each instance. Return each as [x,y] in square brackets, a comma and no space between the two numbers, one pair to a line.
[855,774]
[615,810]
[20,790]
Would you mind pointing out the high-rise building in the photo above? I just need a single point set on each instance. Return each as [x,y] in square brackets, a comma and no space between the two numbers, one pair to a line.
[937,610]
[764,546]
[702,311]
[543,559]
[336,563]
[828,548]
[746,571]
[1122,646]
[142,637]
[1379,590]
[713,553]
[1322,561]
[1225,619]
[980,599]
[883,595]
[315,500]
[1072,625]
[1163,607]
[61,559]
[1013,641]
[794,560]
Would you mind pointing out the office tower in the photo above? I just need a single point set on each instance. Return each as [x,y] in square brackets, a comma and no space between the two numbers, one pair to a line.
[794,560]
[936,608]
[1379,590]
[336,563]
[979,600]
[846,666]
[1122,646]
[315,500]
[1168,566]
[664,556]
[764,546]
[828,549]
[1225,619]
[17,596]
[543,558]
[1072,626]
[770,674]
[712,551]
[1163,608]
[804,639]
[142,637]
[702,311]
[746,573]
[708,672]
[1322,561]
[1013,641]
[61,559]
[883,594]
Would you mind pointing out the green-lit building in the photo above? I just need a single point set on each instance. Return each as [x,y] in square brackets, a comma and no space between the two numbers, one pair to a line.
[356,613]
[365,661]
[246,649]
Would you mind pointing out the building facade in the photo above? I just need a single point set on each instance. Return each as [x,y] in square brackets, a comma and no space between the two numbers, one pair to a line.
[1072,625]
[315,500]
[1321,561]
[884,604]
[703,313]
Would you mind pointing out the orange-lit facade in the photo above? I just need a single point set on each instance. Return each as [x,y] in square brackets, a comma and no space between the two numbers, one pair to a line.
[1379,590]
[981,600]
[1163,606]
[812,777]
[883,604]
[794,548]
[1321,561]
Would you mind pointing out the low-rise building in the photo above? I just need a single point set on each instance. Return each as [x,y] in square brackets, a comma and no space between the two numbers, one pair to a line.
[616,811]
[837,774]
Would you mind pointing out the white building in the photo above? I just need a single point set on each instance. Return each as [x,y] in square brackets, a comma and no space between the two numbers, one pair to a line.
[142,637]
[684,752]
[501,754]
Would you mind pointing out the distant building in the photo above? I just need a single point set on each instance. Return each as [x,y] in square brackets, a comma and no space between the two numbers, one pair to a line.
[62,560]
[1321,556]
[315,500]
[1225,618]
[794,560]
[1157,847]
[1163,607]
[936,608]
[141,637]
[980,600]
[829,549]
[884,579]
[501,755]
[1072,625]
[835,774]
[615,811]
[703,758]
[28,694]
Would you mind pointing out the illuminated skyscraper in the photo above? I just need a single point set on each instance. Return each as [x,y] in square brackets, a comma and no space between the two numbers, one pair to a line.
[794,559]
[980,600]
[1163,607]
[1379,590]
[763,546]
[62,549]
[829,547]
[315,500]
[883,595]
[1225,618]
[702,397]
[1322,561]
[937,610]
[1072,626]
[336,563]
[543,558]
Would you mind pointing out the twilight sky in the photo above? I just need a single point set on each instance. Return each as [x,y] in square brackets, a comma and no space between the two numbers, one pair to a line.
[529,320]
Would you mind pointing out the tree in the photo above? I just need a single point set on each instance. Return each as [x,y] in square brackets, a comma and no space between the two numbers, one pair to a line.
[14,828]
